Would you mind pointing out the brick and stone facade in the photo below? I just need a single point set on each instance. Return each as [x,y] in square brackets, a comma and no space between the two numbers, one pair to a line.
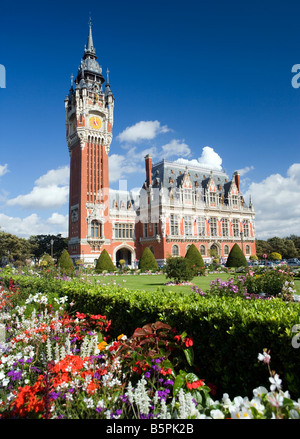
[178,204]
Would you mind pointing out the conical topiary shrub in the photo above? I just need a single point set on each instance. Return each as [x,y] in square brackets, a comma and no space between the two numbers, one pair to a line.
[104,263]
[65,262]
[194,257]
[236,257]
[147,261]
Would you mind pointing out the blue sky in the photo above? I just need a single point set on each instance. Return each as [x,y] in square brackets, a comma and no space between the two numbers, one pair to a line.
[185,76]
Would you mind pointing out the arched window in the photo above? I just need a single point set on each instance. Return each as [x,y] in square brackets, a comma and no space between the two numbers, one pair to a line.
[187,247]
[175,250]
[202,250]
[248,250]
[226,250]
[95,229]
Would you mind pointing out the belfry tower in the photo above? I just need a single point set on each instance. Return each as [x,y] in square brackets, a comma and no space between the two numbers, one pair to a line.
[89,110]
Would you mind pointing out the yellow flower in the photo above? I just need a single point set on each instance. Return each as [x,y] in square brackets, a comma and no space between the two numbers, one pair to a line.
[120,336]
[101,345]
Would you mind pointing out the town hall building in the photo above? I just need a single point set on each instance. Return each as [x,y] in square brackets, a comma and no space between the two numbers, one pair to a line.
[178,204]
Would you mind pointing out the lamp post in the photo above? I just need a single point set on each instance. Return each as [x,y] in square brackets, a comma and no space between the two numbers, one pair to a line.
[51,244]
[242,242]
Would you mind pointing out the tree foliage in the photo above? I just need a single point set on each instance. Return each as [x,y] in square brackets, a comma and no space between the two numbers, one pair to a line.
[41,244]
[194,257]
[14,249]
[104,263]
[179,269]
[236,257]
[148,261]
[65,262]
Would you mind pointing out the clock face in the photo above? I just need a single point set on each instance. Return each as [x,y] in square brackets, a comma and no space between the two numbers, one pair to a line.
[95,122]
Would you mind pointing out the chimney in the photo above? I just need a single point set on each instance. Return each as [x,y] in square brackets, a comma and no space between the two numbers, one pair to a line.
[237,180]
[148,165]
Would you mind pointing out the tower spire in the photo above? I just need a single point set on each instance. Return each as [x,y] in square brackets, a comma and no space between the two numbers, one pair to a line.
[90,45]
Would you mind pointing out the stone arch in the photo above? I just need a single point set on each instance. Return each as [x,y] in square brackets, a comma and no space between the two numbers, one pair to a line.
[126,252]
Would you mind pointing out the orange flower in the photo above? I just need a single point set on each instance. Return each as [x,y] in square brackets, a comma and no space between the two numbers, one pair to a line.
[101,345]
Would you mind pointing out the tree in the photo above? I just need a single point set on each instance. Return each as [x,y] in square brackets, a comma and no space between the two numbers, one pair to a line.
[41,244]
[194,257]
[65,262]
[14,249]
[179,269]
[148,261]
[236,257]
[104,263]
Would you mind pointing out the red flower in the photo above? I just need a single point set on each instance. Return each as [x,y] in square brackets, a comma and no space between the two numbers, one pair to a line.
[195,384]
[188,342]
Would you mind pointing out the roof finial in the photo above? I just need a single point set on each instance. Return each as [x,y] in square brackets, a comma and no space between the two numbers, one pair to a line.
[72,78]
[107,73]
[90,21]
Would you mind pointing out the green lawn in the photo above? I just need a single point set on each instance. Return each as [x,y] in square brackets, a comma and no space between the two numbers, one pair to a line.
[158,281]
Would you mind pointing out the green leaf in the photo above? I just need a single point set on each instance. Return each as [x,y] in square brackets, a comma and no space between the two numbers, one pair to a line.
[178,384]
[191,377]
[189,355]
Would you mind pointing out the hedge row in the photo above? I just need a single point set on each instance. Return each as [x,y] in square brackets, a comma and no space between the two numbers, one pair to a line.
[228,332]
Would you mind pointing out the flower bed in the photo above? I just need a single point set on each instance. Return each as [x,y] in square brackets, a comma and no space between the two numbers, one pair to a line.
[58,365]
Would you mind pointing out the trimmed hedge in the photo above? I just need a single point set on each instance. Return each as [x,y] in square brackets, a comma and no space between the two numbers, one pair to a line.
[104,263]
[228,332]
[148,261]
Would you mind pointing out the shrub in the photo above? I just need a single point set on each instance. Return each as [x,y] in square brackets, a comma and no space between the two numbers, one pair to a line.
[65,262]
[104,263]
[179,269]
[148,261]
[274,256]
[194,257]
[236,257]
[46,261]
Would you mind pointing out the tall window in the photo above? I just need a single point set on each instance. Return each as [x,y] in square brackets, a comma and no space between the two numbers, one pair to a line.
[175,250]
[213,227]
[173,225]
[226,250]
[224,223]
[201,226]
[95,229]
[246,228]
[236,227]
[234,200]
[188,225]
[187,196]
[248,250]
[202,250]
[212,198]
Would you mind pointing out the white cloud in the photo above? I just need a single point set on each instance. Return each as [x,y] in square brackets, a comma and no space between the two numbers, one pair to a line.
[143,130]
[58,176]
[34,225]
[3,170]
[51,190]
[245,170]
[276,200]
[175,148]
[209,159]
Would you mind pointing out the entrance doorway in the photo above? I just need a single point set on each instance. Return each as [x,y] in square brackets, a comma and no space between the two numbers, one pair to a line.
[125,254]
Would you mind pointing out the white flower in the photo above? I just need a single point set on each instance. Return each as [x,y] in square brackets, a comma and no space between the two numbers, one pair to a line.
[259,391]
[217,414]
[275,382]
[264,357]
